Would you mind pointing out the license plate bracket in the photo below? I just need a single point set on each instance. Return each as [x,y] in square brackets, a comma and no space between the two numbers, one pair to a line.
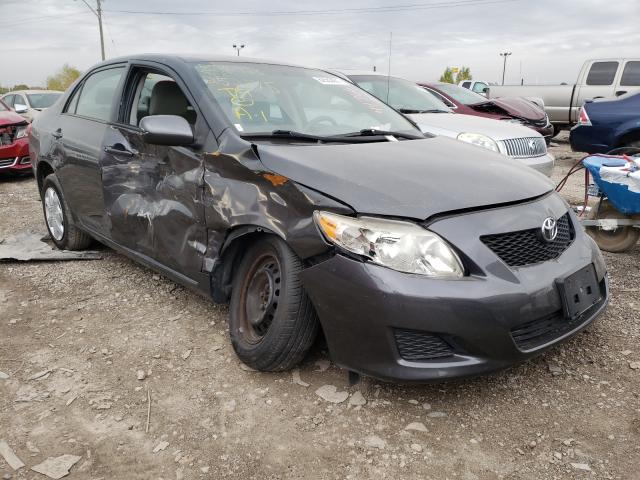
[579,291]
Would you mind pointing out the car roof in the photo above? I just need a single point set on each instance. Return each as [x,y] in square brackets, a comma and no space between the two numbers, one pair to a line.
[193,58]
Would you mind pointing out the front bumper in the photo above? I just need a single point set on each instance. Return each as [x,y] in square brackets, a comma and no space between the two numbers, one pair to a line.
[368,313]
[15,157]
[543,164]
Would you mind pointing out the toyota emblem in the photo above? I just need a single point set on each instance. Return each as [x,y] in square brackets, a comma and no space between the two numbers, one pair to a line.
[549,229]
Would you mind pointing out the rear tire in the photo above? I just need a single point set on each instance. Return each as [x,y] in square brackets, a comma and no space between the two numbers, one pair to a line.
[272,323]
[58,219]
[615,241]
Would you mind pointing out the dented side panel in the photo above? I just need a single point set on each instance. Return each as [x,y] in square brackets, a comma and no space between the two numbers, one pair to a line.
[240,192]
[153,200]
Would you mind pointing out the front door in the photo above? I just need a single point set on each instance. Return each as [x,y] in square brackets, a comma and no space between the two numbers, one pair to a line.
[153,193]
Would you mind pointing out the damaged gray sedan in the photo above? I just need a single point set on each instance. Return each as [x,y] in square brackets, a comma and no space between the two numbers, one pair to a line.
[307,204]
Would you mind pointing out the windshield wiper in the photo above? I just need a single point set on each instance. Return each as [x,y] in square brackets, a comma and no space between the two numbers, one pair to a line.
[363,136]
[372,132]
[411,110]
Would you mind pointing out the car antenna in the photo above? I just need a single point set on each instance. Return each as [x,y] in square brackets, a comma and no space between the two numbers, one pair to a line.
[389,66]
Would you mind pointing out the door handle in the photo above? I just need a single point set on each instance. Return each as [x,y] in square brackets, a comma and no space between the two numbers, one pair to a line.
[120,150]
[620,92]
[57,134]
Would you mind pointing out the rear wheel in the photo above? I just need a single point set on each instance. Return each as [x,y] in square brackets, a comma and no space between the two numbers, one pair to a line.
[272,322]
[58,219]
[619,239]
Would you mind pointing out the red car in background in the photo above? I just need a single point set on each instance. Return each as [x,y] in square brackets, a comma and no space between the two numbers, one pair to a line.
[511,109]
[14,142]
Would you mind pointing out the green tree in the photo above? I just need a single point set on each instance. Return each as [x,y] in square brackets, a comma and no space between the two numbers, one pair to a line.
[464,74]
[447,76]
[63,78]
[21,86]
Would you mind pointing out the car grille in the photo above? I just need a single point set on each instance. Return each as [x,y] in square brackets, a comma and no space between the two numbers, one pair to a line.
[525,247]
[525,147]
[417,346]
[7,162]
[536,333]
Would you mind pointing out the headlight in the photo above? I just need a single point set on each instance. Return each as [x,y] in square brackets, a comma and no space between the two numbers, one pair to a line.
[22,132]
[480,140]
[402,246]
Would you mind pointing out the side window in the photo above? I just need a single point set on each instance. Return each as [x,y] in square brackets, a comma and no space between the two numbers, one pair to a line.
[73,104]
[158,94]
[20,100]
[466,84]
[97,94]
[479,87]
[631,75]
[602,73]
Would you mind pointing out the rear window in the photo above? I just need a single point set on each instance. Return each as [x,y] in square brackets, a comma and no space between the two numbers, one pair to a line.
[631,75]
[602,73]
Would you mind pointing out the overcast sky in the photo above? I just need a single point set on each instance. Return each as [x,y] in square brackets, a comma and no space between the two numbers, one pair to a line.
[550,39]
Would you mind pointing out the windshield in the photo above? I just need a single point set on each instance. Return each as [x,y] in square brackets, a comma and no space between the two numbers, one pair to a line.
[3,107]
[403,94]
[262,98]
[42,100]
[460,94]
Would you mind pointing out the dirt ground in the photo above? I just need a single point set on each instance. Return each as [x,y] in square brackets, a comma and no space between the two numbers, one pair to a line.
[89,330]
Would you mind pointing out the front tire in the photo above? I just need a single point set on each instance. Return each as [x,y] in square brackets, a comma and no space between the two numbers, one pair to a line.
[272,322]
[62,230]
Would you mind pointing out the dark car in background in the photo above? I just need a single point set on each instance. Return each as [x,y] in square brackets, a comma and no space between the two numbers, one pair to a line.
[308,204]
[512,109]
[14,142]
[607,124]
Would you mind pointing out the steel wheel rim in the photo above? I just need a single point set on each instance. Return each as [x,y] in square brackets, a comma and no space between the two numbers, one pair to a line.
[260,295]
[53,213]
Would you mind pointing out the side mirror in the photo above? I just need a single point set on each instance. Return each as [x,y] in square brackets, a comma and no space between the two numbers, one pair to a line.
[485,90]
[170,130]
[20,108]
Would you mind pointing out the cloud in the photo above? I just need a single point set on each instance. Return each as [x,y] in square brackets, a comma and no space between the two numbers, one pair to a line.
[550,39]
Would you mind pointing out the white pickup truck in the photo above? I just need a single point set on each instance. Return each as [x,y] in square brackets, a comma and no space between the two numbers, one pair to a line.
[597,79]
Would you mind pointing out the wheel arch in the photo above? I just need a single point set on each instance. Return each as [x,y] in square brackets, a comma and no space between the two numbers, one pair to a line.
[237,240]
[43,170]
[632,135]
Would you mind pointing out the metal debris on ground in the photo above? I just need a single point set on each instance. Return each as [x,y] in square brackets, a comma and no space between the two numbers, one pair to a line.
[56,467]
[29,247]
[9,456]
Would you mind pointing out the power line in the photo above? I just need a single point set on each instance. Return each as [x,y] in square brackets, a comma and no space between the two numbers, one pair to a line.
[41,19]
[382,9]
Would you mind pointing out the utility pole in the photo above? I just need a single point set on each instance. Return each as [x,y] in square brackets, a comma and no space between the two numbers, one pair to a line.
[98,13]
[238,47]
[504,66]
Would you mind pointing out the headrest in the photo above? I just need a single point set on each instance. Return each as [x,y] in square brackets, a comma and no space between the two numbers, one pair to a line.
[167,99]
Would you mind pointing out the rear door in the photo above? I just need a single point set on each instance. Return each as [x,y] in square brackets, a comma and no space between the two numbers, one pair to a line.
[79,139]
[630,78]
[598,81]
[153,193]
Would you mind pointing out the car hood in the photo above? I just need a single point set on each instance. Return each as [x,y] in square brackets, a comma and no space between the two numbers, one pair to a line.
[10,118]
[512,106]
[413,179]
[453,124]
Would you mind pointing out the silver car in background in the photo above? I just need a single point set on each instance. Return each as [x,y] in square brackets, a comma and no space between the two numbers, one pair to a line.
[432,116]
[29,103]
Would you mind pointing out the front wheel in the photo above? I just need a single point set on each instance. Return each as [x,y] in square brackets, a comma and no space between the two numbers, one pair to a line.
[619,239]
[272,322]
[58,219]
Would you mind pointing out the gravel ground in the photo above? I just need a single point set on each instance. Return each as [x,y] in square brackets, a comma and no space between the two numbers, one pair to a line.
[105,336]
